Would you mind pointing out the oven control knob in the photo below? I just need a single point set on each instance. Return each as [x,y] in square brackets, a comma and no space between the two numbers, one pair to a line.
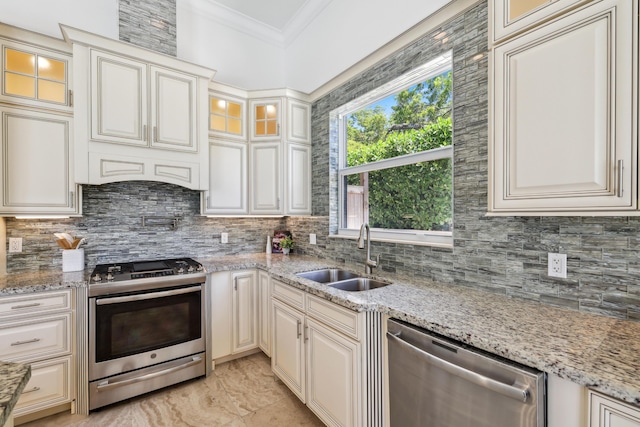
[109,277]
[200,268]
[97,278]
[181,270]
[191,269]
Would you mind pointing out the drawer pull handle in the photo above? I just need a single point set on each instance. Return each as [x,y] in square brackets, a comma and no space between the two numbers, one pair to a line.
[18,307]
[31,391]
[25,342]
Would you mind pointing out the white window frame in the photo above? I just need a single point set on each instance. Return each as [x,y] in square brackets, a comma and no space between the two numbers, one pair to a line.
[429,70]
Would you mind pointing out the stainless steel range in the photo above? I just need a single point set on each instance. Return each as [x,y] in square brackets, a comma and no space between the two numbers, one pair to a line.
[146,327]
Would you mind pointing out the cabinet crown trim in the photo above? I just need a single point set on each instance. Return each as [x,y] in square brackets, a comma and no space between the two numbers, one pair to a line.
[74,35]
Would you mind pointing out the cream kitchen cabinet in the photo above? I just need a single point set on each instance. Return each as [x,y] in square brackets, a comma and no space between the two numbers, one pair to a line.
[266,118]
[298,192]
[265,173]
[36,71]
[228,179]
[608,412]
[38,329]
[124,112]
[512,16]
[234,328]
[264,312]
[564,126]
[318,351]
[298,121]
[227,116]
[36,159]
[136,104]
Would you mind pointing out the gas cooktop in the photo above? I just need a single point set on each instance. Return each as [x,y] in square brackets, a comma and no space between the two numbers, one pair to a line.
[142,275]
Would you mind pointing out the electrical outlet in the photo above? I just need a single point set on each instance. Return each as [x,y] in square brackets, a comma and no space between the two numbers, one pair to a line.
[312,239]
[224,237]
[557,265]
[15,244]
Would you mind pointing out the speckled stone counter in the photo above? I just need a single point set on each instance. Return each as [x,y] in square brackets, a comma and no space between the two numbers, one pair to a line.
[13,379]
[592,350]
[40,281]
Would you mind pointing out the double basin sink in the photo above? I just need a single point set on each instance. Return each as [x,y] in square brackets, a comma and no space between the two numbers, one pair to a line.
[343,279]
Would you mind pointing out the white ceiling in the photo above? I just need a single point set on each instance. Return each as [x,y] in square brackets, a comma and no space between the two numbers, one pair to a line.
[275,13]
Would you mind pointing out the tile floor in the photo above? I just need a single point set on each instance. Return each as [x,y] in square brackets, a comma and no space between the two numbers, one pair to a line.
[242,392]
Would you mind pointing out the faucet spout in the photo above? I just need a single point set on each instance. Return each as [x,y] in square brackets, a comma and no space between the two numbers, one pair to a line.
[369,264]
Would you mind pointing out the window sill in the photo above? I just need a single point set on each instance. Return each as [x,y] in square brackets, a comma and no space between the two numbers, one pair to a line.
[353,235]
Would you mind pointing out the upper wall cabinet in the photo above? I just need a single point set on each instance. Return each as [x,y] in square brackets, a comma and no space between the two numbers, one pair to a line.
[227,116]
[121,106]
[564,124]
[513,16]
[35,76]
[139,115]
[265,119]
[298,121]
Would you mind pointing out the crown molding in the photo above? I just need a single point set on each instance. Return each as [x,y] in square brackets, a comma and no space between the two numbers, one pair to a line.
[230,18]
[302,18]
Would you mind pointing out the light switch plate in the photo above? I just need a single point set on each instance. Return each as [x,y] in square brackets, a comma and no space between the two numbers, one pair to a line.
[312,239]
[224,237]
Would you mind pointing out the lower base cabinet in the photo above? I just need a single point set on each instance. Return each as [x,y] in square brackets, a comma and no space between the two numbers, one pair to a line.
[318,351]
[607,412]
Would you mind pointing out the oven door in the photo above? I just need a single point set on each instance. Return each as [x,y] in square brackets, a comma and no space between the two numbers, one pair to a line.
[128,332]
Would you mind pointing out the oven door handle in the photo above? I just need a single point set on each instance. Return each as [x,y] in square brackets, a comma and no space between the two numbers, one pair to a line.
[103,386]
[140,297]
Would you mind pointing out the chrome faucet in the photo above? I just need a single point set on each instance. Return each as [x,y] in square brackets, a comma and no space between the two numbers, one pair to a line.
[368,262]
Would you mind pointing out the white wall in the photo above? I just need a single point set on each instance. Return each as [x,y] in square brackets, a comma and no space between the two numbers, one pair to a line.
[346,32]
[241,60]
[43,16]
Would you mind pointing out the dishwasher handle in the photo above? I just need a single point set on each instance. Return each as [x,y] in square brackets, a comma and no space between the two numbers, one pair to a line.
[511,391]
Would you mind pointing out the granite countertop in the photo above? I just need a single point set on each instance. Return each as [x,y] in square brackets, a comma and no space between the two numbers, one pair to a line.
[13,379]
[592,350]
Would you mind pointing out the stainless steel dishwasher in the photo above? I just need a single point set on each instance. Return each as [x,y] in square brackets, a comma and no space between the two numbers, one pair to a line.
[436,382]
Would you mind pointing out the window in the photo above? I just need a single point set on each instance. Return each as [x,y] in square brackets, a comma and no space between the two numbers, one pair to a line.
[396,158]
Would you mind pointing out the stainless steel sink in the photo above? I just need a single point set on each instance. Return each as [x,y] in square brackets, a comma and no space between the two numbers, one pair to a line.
[359,284]
[327,275]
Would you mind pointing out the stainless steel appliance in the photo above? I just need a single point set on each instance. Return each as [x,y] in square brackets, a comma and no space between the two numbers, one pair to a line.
[436,382]
[146,327]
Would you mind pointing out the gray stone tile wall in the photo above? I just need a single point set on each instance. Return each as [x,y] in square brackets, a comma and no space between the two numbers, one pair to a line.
[506,255]
[149,23]
[112,224]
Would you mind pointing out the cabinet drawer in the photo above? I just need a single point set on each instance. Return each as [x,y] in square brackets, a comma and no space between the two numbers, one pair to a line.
[292,296]
[32,339]
[35,303]
[50,385]
[339,318]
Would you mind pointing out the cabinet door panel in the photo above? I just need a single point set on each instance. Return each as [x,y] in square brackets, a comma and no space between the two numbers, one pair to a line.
[264,310]
[333,375]
[562,121]
[50,385]
[266,181]
[35,162]
[227,178]
[608,412]
[298,179]
[119,104]
[287,348]
[173,108]
[244,312]
[221,319]
[298,121]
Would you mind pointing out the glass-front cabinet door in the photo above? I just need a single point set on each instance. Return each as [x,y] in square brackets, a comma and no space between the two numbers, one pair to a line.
[34,76]
[265,119]
[227,116]
[512,16]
